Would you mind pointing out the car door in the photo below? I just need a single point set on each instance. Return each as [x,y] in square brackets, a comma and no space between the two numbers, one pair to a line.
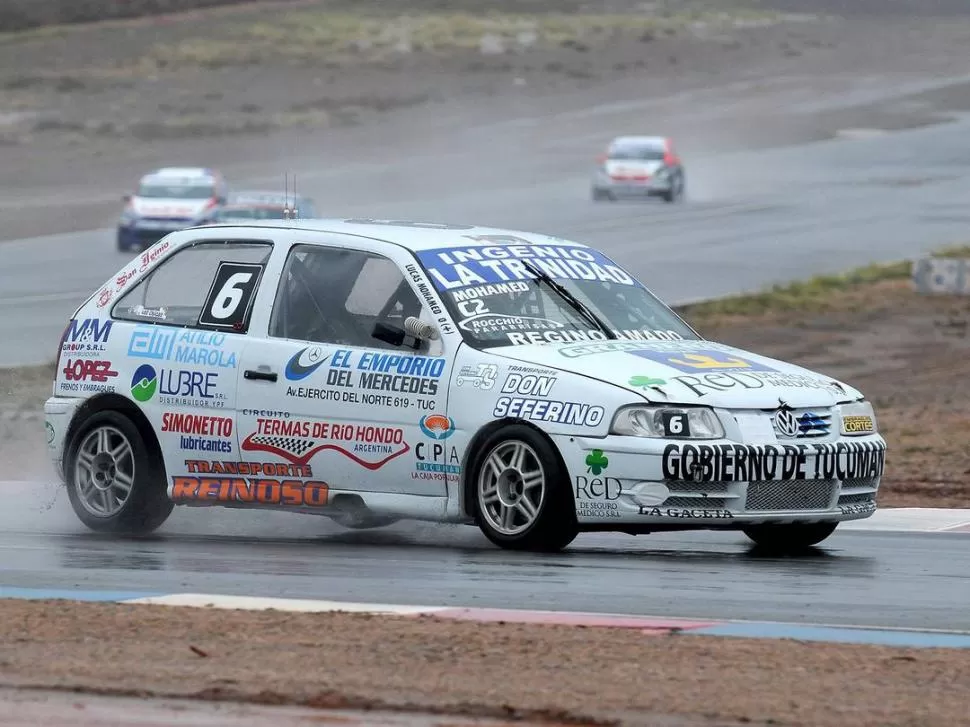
[326,398]
[180,333]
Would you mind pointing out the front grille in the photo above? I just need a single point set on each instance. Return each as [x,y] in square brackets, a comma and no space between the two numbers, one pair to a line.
[860,483]
[790,495]
[812,423]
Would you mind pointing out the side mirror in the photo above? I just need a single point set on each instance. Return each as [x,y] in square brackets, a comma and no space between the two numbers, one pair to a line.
[416,329]
[126,198]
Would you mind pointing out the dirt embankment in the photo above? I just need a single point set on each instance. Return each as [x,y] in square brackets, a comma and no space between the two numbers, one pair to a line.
[26,14]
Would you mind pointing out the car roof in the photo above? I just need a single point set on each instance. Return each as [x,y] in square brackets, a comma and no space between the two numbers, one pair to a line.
[410,235]
[183,172]
[640,140]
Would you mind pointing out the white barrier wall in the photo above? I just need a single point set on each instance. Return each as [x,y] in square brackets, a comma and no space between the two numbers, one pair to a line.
[940,275]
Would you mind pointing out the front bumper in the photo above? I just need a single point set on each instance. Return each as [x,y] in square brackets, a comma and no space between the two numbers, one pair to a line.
[653,187]
[141,238]
[658,484]
[58,414]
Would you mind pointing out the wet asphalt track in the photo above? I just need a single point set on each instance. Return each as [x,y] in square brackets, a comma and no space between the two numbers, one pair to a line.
[756,217]
[915,581]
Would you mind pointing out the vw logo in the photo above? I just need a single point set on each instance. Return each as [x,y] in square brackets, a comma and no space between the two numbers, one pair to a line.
[785,422]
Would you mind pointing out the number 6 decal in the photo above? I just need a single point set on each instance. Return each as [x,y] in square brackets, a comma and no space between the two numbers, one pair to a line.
[230,298]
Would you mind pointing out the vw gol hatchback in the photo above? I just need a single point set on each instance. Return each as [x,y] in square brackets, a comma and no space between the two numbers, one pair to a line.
[372,371]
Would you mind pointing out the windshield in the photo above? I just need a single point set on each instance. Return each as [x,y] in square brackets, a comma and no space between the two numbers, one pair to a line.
[176,191]
[638,153]
[496,301]
[250,213]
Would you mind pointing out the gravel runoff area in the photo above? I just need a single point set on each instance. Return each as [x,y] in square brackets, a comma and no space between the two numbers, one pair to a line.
[557,674]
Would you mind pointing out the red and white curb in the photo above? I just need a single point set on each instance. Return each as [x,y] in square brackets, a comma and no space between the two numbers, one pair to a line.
[644,625]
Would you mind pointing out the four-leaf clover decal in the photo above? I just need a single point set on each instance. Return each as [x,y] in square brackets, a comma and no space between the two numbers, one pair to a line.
[645,382]
[596,461]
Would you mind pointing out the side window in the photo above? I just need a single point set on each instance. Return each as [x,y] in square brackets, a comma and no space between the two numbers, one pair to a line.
[206,285]
[335,295]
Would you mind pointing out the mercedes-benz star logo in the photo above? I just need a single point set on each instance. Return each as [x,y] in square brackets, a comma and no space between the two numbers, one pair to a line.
[786,423]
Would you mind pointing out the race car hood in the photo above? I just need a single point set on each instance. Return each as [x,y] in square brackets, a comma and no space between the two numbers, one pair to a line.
[690,372]
[179,208]
[623,168]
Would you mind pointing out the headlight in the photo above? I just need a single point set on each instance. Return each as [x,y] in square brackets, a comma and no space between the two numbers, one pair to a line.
[664,422]
[858,419]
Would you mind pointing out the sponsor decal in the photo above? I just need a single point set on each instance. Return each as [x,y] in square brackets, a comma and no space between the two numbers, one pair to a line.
[598,488]
[485,323]
[436,461]
[702,361]
[159,314]
[693,513]
[595,496]
[528,384]
[104,297]
[86,338]
[770,462]
[144,383]
[546,410]
[87,370]
[574,336]
[304,362]
[459,267]
[858,508]
[673,346]
[50,432]
[437,426]
[645,382]
[258,491]
[704,384]
[378,372]
[144,260]
[423,289]
[180,345]
[298,441]
[480,377]
[176,387]
[596,461]
[857,424]
[200,432]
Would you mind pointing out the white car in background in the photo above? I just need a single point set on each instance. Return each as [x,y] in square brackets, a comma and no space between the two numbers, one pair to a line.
[639,167]
[168,199]
[372,370]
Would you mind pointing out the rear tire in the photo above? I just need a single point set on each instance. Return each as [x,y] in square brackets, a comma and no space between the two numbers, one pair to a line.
[522,495]
[789,538]
[601,195]
[115,482]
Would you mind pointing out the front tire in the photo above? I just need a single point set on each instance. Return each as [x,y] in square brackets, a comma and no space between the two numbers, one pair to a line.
[789,538]
[115,483]
[522,495]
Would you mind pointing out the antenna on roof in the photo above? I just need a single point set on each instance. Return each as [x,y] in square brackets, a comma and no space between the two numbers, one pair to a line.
[286,195]
[295,210]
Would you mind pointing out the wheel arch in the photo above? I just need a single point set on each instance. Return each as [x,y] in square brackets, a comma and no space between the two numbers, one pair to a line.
[467,490]
[117,403]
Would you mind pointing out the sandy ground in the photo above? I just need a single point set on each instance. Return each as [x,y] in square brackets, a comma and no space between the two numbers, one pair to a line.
[502,670]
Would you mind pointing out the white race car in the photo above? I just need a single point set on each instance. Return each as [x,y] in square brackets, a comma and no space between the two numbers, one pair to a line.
[372,371]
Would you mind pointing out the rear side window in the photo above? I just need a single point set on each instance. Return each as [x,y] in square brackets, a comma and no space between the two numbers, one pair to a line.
[206,285]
